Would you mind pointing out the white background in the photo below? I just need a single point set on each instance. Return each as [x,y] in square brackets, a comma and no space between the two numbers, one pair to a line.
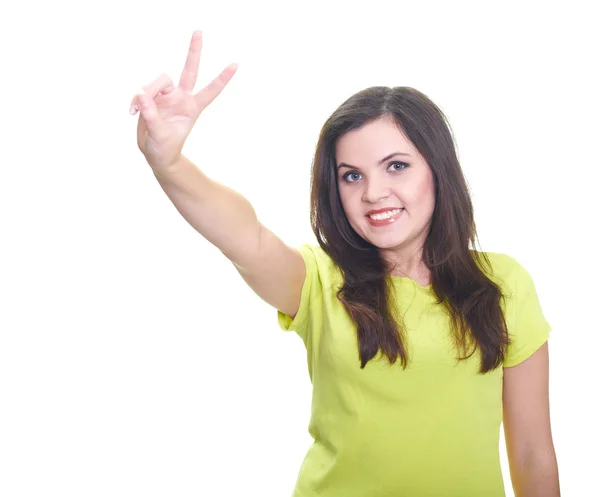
[134,361]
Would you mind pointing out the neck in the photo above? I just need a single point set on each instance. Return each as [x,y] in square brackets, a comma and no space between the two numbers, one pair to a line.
[408,265]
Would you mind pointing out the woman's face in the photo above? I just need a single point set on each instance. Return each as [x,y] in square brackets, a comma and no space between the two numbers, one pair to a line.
[379,168]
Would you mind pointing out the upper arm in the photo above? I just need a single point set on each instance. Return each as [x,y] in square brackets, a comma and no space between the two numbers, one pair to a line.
[276,273]
[526,409]
[527,324]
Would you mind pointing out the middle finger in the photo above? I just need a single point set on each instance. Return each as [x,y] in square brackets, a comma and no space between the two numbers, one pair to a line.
[190,70]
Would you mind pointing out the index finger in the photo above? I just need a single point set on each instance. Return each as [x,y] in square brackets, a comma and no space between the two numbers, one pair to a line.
[190,70]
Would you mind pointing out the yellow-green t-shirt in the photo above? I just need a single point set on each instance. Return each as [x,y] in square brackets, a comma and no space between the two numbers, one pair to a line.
[431,430]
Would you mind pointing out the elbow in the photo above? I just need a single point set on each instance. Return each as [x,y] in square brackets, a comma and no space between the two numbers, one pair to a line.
[536,475]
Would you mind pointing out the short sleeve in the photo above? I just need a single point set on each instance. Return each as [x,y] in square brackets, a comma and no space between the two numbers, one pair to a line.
[309,299]
[528,328]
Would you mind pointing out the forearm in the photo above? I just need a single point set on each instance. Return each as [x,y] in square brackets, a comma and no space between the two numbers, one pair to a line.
[536,478]
[221,215]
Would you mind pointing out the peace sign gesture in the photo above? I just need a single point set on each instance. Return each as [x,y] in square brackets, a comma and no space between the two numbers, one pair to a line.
[168,113]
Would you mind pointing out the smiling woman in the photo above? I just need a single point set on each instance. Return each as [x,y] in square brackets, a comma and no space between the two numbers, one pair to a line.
[386,185]
[407,327]
[396,278]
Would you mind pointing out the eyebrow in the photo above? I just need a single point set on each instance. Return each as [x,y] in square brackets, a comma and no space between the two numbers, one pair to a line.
[387,157]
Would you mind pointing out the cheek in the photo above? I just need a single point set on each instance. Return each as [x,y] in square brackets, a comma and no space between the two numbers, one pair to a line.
[351,204]
[424,191]
[345,198]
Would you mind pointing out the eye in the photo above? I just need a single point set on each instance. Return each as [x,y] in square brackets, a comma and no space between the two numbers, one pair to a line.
[351,177]
[346,177]
[403,165]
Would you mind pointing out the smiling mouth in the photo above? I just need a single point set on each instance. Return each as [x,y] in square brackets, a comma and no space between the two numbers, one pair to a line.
[381,216]
[383,219]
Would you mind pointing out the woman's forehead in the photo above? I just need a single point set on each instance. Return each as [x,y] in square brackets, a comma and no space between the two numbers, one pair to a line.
[370,143]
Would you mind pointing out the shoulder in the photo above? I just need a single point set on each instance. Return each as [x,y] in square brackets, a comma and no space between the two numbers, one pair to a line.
[502,265]
[503,268]
[314,254]
[501,262]
[525,320]
[319,265]
[515,282]
[313,250]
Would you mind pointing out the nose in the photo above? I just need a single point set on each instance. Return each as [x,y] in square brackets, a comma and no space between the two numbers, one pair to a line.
[375,190]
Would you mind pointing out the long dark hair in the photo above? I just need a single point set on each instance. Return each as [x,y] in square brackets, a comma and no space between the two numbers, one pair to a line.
[458,274]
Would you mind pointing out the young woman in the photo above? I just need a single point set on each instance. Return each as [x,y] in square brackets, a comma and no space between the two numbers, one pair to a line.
[418,346]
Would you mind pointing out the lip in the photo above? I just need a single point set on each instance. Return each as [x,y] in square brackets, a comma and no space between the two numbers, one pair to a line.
[384,222]
[377,211]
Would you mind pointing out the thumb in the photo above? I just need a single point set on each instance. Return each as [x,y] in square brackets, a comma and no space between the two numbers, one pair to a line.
[149,112]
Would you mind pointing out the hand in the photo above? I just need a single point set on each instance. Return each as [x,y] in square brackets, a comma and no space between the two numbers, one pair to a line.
[168,113]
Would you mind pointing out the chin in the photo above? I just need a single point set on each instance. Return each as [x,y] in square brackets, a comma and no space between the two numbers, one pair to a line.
[386,245]
[386,240]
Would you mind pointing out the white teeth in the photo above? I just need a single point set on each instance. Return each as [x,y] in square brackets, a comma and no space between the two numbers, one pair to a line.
[384,215]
